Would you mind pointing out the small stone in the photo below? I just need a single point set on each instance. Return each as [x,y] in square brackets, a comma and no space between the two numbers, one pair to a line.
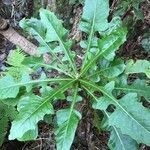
[2,67]
[2,57]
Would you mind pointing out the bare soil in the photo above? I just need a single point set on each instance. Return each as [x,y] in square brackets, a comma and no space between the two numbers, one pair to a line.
[87,136]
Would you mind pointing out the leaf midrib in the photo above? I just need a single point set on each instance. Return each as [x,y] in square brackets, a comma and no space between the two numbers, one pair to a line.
[34,82]
[132,89]
[64,47]
[46,100]
[48,47]
[113,99]
[99,54]
[91,36]
[56,68]
[71,110]
[118,135]
[106,69]
[107,116]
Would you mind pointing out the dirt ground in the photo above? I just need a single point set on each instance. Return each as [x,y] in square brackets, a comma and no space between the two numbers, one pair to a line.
[87,136]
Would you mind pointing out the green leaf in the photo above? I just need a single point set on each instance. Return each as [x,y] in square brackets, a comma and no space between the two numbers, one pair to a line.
[94,19]
[16,67]
[56,32]
[139,86]
[113,70]
[11,101]
[115,23]
[67,120]
[7,88]
[126,117]
[95,15]
[15,58]
[31,110]
[7,113]
[36,63]
[30,135]
[36,28]
[140,66]
[107,45]
[10,88]
[123,6]
[103,102]
[110,43]
[117,141]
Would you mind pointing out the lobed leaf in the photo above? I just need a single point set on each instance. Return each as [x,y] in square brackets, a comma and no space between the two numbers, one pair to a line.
[95,14]
[9,88]
[31,110]
[117,140]
[140,66]
[7,113]
[56,32]
[38,31]
[103,102]
[126,117]
[107,45]
[114,69]
[139,86]
[67,120]
[94,19]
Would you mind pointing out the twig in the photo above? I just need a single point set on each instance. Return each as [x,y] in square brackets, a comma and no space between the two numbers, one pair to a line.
[14,37]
